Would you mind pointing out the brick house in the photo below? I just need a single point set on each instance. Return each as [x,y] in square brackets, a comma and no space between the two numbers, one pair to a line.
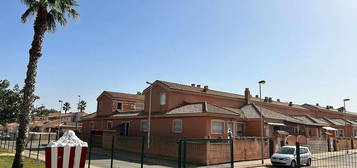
[191,111]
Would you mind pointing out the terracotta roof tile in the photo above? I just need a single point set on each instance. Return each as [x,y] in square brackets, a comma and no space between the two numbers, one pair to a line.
[201,90]
[124,95]
[202,107]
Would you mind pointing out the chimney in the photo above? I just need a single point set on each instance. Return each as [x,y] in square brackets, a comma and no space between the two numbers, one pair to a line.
[138,93]
[317,104]
[199,86]
[205,88]
[270,100]
[290,103]
[278,100]
[327,107]
[247,95]
[266,99]
[193,85]
[256,96]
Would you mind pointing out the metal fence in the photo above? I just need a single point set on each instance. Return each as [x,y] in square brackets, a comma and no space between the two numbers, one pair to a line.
[112,151]
[35,144]
[196,150]
[340,152]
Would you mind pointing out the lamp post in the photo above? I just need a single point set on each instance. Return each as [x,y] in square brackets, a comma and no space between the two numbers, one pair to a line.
[60,116]
[149,116]
[261,121]
[345,113]
[79,100]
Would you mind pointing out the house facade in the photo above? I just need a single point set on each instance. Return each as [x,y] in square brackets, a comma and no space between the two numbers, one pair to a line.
[194,111]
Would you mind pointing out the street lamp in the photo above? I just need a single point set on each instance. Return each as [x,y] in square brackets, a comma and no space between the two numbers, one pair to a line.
[261,120]
[79,100]
[149,116]
[59,125]
[345,111]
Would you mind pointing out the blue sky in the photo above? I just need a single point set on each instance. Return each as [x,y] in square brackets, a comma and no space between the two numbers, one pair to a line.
[305,50]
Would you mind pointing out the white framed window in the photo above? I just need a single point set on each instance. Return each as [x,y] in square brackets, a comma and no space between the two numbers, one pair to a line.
[229,126]
[177,126]
[162,98]
[217,127]
[340,133]
[91,125]
[239,129]
[144,125]
[109,124]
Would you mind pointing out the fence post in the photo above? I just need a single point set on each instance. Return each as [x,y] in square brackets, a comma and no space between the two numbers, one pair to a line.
[142,151]
[179,154]
[232,152]
[8,144]
[30,145]
[111,158]
[2,136]
[184,153]
[38,147]
[13,142]
[90,148]
[298,155]
[48,137]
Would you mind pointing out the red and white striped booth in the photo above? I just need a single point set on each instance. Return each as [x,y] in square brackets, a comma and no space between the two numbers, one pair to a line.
[67,152]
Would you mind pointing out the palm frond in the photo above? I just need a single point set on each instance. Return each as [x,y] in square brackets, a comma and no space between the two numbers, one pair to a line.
[29,12]
[28,2]
[51,23]
[58,17]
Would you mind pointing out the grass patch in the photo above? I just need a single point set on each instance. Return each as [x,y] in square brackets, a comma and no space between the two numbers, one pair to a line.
[6,162]
[4,151]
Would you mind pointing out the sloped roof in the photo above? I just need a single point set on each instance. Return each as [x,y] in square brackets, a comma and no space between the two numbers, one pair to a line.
[127,114]
[310,120]
[88,116]
[123,95]
[330,121]
[279,103]
[202,107]
[253,111]
[201,90]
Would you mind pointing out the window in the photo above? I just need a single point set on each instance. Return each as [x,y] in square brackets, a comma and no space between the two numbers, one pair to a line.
[91,125]
[230,126]
[217,127]
[120,106]
[109,124]
[162,98]
[144,125]
[354,132]
[340,133]
[239,129]
[177,126]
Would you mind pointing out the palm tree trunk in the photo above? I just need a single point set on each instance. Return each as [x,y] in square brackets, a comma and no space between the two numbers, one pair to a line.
[29,88]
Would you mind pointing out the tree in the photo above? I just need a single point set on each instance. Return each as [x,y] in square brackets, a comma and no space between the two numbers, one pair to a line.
[43,111]
[82,105]
[10,100]
[47,13]
[66,107]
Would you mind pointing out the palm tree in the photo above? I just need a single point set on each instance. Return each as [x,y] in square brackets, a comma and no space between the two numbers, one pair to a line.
[47,13]
[82,105]
[66,107]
